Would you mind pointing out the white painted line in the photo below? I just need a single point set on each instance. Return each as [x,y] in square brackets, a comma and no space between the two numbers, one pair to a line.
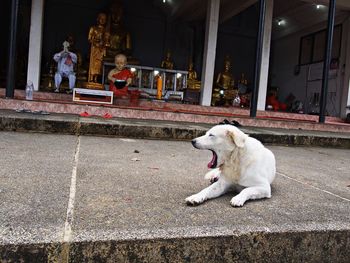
[314,187]
[70,210]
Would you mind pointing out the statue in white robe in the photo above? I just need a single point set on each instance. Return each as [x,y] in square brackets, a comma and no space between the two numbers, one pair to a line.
[65,67]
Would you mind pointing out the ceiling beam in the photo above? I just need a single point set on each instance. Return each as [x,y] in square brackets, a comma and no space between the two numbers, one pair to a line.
[310,27]
[186,8]
[280,9]
[340,4]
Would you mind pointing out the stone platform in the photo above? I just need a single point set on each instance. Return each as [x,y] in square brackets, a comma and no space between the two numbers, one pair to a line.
[163,111]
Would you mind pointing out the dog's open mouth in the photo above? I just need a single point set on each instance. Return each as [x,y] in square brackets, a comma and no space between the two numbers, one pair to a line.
[214,160]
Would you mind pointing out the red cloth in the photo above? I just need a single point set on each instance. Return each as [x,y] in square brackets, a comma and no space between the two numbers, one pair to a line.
[69,60]
[122,75]
[276,105]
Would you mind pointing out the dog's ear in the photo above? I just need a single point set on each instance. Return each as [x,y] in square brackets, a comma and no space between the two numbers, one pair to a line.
[237,138]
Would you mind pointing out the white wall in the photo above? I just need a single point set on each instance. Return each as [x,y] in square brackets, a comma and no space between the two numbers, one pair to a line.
[284,58]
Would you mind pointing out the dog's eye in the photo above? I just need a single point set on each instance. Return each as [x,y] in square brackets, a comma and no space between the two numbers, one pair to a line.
[211,135]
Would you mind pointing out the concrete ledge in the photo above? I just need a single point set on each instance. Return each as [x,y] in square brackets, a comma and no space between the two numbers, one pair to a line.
[141,129]
[303,140]
[39,125]
[12,121]
[311,246]
[152,129]
[253,247]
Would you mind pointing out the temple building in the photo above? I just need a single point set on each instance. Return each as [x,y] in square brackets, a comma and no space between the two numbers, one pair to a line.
[267,54]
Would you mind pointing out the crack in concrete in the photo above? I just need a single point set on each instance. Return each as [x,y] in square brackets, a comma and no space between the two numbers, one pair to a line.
[312,186]
[67,237]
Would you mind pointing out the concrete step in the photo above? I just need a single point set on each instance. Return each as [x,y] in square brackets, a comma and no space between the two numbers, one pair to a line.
[76,198]
[158,129]
[255,246]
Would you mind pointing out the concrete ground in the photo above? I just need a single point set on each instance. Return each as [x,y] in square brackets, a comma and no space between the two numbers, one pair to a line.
[74,198]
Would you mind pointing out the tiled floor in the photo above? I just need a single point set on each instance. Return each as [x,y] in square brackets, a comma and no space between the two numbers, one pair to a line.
[62,103]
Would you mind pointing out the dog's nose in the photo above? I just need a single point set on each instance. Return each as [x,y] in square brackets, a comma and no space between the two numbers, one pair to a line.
[194,142]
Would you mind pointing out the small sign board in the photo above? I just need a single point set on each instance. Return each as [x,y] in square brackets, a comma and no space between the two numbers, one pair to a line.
[175,95]
[93,96]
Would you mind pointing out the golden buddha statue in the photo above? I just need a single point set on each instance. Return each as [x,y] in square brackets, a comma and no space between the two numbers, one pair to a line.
[167,63]
[119,40]
[192,82]
[192,74]
[243,80]
[225,79]
[224,88]
[98,40]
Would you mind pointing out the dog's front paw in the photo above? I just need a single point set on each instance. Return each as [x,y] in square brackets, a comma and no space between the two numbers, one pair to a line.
[237,201]
[194,200]
[213,180]
[212,176]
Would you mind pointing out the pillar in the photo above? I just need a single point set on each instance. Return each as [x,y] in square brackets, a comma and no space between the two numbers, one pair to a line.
[265,59]
[345,95]
[35,42]
[211,32]
[327,61]
[258,59]
[11,68]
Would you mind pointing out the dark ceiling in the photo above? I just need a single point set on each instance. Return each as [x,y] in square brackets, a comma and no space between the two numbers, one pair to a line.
[298,15]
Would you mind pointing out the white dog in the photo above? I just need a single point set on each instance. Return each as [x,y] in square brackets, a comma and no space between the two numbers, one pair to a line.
[239,162]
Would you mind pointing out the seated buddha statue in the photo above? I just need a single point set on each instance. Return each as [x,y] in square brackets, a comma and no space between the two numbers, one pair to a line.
[225,79]
[192,74]
[224,86]
[119,39]
[192,82]
[243,80]
[167,63]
